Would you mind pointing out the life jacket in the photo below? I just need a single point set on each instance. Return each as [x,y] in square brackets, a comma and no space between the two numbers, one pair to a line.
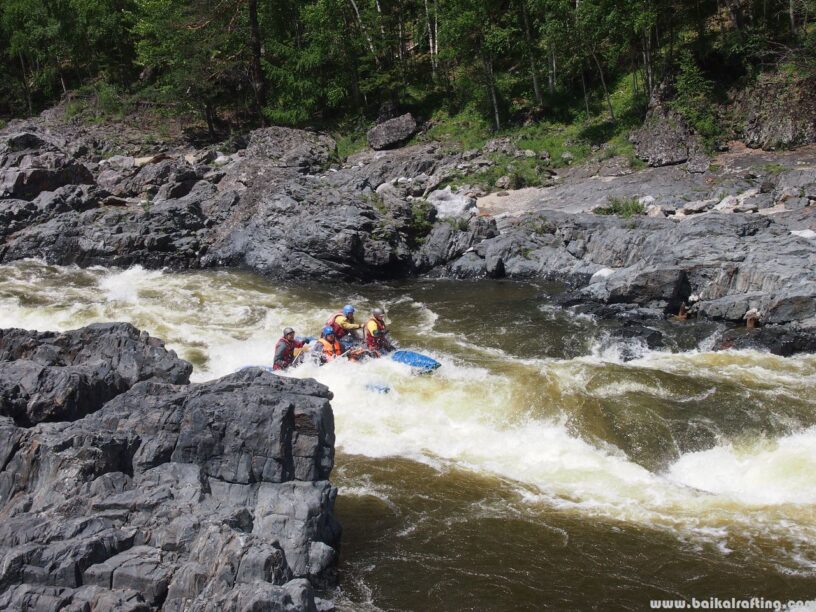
[331,350]
[288,355]
[339,332]
[378,342]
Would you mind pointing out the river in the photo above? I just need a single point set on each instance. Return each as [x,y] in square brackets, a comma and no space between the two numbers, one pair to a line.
[544,465]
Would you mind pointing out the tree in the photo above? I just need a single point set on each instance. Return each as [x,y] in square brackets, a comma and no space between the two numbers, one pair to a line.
[476,33]
[200,53]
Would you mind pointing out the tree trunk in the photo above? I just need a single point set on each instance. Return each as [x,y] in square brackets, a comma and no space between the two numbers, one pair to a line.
[603,84]
[583,87]
[647,62]
[26,86]
[792,15]
[400,37]
[436,31]
[258,80]
[365,33]
[430,39]
[382,26]
[491,87]
[735,12]
[209,117]
[531,54]
[552,73]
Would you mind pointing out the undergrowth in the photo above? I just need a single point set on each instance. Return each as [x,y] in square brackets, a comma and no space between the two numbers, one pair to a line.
[622,207]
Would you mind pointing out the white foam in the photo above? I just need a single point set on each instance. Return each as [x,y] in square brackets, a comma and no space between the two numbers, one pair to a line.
[766,472]
[124,286]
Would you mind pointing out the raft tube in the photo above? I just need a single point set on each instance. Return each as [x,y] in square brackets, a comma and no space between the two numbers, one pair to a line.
[415,360]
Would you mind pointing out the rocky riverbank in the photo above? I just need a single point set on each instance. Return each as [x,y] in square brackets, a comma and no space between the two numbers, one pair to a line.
[124,487]
[722,236]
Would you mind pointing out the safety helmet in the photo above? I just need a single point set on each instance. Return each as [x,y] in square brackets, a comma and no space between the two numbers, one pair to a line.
[378,313]
[328,331]
[348,310]
[287,331]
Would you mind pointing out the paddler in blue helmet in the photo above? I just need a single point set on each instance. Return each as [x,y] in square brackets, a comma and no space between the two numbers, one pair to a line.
[343,324]
[330,346]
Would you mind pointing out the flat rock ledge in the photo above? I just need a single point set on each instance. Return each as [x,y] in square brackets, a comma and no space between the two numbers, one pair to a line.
[123,487]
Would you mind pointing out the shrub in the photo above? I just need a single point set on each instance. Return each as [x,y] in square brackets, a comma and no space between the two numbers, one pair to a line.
[695,100]
[421,223]
[622,207]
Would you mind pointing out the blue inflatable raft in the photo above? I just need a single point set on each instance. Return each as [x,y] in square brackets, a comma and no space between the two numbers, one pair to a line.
[415,360]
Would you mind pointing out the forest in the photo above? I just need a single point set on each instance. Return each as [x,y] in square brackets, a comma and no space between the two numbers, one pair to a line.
[333,62]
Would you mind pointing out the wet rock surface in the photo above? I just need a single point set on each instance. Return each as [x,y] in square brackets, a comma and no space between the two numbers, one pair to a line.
[212,496]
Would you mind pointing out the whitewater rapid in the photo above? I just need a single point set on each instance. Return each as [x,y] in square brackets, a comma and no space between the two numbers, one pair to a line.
[485,410]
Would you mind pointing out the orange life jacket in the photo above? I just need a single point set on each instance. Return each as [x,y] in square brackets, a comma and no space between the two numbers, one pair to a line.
[378,342]
[331,350]
[339,332]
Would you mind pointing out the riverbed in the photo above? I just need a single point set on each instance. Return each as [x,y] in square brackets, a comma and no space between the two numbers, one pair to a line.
[547,463]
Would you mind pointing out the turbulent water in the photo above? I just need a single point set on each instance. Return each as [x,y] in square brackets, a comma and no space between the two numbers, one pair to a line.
[537,467]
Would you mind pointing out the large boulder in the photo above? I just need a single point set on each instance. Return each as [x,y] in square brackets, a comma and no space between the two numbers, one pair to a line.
[182,497]
[774,339]
[451,204]
[38,173]
[644,286]
[49,376]
[289,148]
[392,133]
[665,139]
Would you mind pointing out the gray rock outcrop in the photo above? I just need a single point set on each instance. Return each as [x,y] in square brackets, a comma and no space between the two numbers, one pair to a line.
[392,133]
[777,113]
[181,497]
[275,206]
[665,139]
[47,376]
[730,263]
[450,204]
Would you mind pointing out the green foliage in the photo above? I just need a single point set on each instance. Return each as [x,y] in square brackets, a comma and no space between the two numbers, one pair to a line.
[465,130]
[773,169]
[694,99]
[421,223]
[376,201]
[56,45]
[635,163]
[563,76]
[350,142]
[108,99]
[622,207]
[461,224]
